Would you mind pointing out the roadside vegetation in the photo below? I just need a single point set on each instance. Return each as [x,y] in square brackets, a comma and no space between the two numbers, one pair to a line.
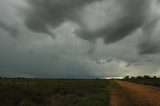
[146,79]
[38,92]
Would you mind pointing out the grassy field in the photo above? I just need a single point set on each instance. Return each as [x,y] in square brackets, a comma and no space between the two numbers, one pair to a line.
[29,92]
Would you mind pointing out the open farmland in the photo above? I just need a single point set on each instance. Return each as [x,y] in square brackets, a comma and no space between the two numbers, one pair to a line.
[45,92]
[28,92]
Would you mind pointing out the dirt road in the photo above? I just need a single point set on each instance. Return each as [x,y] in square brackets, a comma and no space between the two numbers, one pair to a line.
[144,95]
[117,98]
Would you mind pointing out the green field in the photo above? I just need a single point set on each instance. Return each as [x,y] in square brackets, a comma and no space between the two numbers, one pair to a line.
[36,92]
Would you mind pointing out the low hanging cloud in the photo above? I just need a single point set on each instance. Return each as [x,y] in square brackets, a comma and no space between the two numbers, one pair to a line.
[87,38]
[5,25]
[52,13]
[103,61]
[10,29]
[149,47]
[131,15]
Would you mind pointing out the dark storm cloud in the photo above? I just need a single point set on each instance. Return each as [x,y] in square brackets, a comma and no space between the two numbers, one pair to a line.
[11,30]
[94,21]
[133,15]
[149,60]
[90,51]
[52,13]
[128,65]
[149,47]
[109,60]
[103,61]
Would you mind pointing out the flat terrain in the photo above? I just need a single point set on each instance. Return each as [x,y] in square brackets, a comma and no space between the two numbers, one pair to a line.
[141,95]
[47,92]
[44,92]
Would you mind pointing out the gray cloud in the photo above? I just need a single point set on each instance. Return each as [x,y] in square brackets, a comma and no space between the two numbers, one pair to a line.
[149,47]
[148,44]
[133,15]
[83,28]
[103,61]
[52,13]
[13,32]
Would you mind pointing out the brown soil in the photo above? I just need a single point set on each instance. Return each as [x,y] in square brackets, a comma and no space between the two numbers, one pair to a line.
[117,98]
[145,95]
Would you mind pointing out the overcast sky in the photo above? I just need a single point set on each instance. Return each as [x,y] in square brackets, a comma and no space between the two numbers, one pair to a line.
[79,38]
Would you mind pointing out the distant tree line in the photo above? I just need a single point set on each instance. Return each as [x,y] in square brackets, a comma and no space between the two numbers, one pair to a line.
[141,77]
[17,78]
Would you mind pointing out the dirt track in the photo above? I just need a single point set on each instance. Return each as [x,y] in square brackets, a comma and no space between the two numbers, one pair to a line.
[117,98]
[144,95]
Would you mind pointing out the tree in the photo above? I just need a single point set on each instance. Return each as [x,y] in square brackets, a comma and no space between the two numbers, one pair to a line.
[126,77]
[133,77]
[139,77]
[146,77]
[154,77]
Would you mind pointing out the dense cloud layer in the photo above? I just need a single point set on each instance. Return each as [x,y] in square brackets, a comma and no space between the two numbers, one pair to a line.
[121,17]
[149,47]
[79,38]
[127,20]
[55,12]
[52,13]
[11,30]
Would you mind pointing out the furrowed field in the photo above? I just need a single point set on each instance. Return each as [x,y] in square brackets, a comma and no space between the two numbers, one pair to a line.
[36,92]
